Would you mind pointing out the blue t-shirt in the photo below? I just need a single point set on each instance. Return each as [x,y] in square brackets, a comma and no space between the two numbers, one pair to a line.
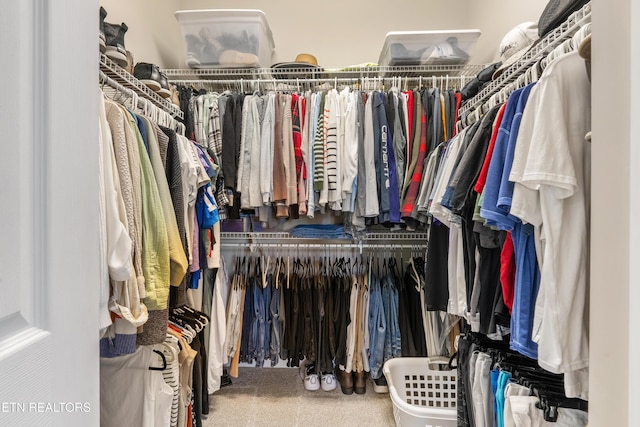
[495,208]
[527,283]
[495,216]
[505,193]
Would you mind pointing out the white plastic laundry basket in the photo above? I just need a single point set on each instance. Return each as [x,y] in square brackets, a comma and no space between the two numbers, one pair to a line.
[422,395]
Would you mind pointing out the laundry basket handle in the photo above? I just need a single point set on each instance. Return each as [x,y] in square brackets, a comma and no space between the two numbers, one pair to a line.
[453,357]
[439,360]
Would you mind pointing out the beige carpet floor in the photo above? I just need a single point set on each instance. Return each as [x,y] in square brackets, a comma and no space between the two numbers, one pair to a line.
[272,397]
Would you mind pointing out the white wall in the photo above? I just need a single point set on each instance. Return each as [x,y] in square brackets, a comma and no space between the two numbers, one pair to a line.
[153,35]
[495,18]
[614,374]
[352,32]
[342,32]
[338,33]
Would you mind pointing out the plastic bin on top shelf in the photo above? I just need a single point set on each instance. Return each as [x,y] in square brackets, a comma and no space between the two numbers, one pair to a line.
[441,47]
[226,38]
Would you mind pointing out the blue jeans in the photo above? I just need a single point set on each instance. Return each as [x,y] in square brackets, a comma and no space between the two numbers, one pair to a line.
[276,326]
[264,341]
[377,328]
[392,346]
[256,345]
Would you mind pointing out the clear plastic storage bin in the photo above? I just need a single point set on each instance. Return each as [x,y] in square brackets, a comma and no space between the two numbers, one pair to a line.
[422,395]
[226,38]
[446,47]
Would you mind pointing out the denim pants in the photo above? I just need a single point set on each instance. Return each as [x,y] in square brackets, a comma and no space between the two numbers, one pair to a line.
[393,321]
[276,326]
[265,341]
[247,342]
[256,346]
[233,318]
[377,328]
[393,324]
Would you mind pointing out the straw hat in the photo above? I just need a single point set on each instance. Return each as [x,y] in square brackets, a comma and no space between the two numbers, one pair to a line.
[303,61]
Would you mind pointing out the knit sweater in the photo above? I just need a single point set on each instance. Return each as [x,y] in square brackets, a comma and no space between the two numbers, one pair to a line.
[115,241]
[319,148]
[155,241]
[177,255]
[332,163]
[128,163]
[174,179]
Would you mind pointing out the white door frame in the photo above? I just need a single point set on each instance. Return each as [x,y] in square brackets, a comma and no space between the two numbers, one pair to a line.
[49,259]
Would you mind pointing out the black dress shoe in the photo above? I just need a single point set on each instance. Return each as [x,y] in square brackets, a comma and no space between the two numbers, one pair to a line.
[149,74]
[164,90]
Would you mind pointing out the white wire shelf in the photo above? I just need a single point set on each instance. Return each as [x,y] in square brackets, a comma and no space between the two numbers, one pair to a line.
[325,74]
[266,235]
[277,241]
[284,236]
[121,76]
[539,50]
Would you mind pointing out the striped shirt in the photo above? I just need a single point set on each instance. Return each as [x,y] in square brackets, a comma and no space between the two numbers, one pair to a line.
[318,149]
[331,133]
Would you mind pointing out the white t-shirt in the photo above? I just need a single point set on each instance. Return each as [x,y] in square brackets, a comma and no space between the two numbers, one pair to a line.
[551,171]
[349,161]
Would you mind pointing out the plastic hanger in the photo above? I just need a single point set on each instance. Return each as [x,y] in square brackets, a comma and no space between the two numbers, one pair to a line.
[164,362]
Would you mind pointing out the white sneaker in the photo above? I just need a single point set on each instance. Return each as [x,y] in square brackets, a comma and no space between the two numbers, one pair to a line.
[312,382]
[380,385]
[329,382]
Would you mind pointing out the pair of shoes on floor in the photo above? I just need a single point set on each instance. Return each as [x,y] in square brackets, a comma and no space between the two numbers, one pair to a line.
[313,381]
[112,40]
[352,381]
[150,75]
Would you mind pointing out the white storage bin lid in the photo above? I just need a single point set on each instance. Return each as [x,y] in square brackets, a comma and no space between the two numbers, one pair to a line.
[205,16]
[451,47]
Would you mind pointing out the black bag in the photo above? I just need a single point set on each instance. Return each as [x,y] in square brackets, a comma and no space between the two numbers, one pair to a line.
[556,12]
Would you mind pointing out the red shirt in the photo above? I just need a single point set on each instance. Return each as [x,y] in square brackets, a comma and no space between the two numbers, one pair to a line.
[482,178]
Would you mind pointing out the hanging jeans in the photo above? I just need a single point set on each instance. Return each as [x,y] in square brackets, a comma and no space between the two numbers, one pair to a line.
[377,329]
[247,341]
[276,325]
[342,318]
[392,347]
[267,292]
[259,328]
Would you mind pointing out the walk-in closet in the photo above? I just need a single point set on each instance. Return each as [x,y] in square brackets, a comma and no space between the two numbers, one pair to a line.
[268,213]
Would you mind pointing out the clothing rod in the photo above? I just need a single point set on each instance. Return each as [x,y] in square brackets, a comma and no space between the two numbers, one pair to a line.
[104,79]
[147,107]
[328,247]
[121,76]
[445,81]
